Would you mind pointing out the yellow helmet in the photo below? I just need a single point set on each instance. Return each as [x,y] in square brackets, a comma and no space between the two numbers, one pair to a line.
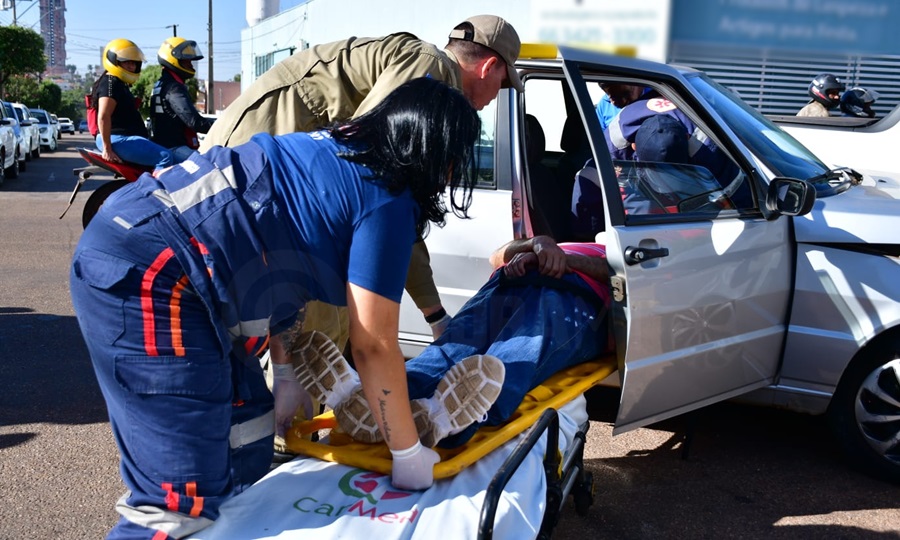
[121,50]
[177,53]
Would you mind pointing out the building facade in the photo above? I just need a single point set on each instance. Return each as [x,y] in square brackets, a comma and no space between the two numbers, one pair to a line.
[766,50]
[53,30]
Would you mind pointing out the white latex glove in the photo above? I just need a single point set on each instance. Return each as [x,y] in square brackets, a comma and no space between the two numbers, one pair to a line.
[438,327]
[413,468]
[289,396]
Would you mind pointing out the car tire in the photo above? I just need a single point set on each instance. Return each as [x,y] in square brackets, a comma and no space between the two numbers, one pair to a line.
[52,146]
[2,170]
[36,151]
[13,170]
[864,409]
[97,198]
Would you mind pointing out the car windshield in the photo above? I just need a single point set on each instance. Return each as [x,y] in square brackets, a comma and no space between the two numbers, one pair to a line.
[20,114]
[41,116]
[768,142]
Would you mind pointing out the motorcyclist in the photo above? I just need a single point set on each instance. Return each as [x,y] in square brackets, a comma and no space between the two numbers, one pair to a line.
[174,120]
[825,91]
[119,128]
[858,101]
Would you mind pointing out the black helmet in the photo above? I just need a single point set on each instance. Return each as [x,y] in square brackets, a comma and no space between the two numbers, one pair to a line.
[858,101]
[822,86]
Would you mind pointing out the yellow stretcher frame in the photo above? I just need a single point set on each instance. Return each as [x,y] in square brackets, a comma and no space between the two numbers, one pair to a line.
[555,392]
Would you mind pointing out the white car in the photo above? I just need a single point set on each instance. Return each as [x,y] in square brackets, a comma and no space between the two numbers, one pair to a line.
[22,152]
[66,126]
[30,126]
[787,298]
[48,129]
[9,162]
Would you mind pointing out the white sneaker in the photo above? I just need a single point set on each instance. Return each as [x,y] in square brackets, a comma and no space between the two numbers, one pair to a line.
[322,370]
[463,396]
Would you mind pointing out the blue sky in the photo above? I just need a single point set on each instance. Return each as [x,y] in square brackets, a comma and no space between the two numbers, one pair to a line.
[90,24]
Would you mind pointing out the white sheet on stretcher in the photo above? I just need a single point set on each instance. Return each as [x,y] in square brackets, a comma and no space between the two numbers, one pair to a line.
[309,498]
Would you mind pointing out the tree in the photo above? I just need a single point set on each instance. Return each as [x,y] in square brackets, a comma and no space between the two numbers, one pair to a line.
[22,89]
[237,78]
[50,96]
[143,88]
[22,53]
[72,105]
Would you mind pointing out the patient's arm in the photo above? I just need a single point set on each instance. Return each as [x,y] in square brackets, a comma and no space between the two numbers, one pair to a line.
[551,258]
[594,267]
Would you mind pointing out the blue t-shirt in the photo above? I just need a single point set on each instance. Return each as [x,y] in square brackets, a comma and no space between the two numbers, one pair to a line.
[348,228]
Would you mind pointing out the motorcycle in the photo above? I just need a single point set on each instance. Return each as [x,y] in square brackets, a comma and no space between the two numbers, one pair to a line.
[123,173]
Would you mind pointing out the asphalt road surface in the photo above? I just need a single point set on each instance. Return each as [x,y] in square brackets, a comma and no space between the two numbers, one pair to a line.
[750,473]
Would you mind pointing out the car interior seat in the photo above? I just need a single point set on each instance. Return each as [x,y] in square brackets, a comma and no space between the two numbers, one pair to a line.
[549,198]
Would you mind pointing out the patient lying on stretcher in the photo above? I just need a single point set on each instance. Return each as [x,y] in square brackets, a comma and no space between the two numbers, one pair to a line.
[544,310]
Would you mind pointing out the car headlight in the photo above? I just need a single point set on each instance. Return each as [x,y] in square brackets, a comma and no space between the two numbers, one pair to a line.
[43,130]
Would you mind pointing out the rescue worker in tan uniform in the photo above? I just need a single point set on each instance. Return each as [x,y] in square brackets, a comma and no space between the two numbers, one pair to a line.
[341,80]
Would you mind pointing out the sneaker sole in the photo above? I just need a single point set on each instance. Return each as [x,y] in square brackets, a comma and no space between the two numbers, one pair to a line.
[467,391]
[318,364]
[355,418]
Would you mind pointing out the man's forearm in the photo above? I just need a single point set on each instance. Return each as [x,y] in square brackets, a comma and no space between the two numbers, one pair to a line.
[594,267]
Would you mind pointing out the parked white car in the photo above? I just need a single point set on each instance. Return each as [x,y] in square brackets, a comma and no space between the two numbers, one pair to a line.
[22,153]
[31,128]
[779,285]
[48,129]
[9,147]
[66,126]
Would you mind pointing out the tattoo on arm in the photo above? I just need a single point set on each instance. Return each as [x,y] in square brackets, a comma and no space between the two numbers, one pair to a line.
[382,406]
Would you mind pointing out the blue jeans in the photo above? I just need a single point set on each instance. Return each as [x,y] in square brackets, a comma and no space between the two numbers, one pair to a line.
[535,330]
[140,150]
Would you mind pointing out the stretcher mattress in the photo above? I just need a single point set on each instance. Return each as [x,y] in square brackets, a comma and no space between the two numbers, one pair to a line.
[343,489]
[315,499]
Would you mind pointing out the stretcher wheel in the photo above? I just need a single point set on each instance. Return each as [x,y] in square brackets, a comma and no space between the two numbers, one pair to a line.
[583,494]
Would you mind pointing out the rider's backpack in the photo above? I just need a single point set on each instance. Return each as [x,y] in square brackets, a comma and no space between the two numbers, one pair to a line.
[91,106]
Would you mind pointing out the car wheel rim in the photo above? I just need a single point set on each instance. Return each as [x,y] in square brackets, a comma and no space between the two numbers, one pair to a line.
[878,410]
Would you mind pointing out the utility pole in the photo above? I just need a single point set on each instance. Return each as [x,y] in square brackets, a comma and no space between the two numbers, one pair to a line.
[14,12]
[210,102]
[174,28]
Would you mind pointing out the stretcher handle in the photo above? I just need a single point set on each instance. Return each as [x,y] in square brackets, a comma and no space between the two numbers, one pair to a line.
[548,421]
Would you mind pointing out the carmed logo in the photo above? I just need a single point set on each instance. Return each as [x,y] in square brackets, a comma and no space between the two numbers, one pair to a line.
[371,496]
[364,484]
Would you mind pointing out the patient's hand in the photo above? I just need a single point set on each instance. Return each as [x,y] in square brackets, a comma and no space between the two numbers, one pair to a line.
[520,264]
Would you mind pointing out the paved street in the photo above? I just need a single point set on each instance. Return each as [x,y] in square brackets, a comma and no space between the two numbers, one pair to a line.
[750,473]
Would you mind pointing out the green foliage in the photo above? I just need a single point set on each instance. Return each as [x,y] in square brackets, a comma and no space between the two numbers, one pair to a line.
[22,89]
[237,78]
[143,88]
[72,105]
[50,96]
[21,51]
[193,87]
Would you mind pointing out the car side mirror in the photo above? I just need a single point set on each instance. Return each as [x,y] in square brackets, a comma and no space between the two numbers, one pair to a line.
[790,197]
[6,121]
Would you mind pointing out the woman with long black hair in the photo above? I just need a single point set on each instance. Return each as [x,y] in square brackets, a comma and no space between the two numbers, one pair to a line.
[181,278]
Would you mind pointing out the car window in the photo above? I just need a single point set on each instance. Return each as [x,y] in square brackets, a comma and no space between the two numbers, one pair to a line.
[484,148]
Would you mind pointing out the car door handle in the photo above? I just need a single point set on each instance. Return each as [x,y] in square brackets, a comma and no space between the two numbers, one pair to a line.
[638,255]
